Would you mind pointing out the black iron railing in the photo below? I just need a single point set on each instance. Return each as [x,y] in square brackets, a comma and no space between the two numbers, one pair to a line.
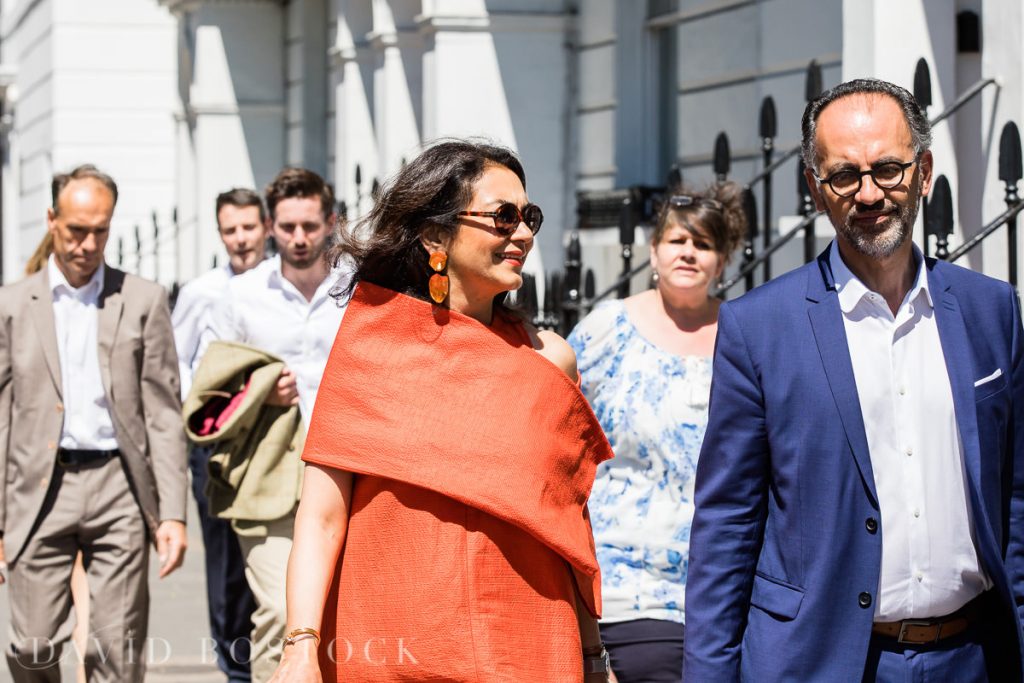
[566,301]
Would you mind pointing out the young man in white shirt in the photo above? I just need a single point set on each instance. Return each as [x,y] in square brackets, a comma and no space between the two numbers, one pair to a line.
[284,307]
[241,224]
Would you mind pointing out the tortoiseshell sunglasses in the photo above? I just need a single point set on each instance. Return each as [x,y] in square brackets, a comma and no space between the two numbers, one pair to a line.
[508,216]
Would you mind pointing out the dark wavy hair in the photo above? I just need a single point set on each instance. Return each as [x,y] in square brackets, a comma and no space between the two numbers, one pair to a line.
[294,182]
[426,194]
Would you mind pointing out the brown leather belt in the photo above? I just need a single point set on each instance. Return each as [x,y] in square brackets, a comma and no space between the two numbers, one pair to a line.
[928,631]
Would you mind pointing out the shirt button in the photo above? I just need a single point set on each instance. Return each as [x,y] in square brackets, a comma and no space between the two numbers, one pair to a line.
[60,407]
[909,451]
[920,577]
[864,600]
[903,391]
[917,512]
[871,524]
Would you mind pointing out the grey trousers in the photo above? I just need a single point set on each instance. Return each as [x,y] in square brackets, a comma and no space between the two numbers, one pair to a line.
[91,509]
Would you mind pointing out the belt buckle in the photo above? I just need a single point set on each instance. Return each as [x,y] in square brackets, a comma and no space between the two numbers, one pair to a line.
[922,623]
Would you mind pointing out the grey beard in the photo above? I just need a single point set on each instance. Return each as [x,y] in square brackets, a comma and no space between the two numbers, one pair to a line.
[882,244]
[879,245]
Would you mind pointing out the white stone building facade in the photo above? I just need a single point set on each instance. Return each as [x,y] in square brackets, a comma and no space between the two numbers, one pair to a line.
[182,99]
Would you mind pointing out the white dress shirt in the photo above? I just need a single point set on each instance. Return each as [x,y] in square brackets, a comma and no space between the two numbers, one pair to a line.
[930,564]
[266,311]
[188,319]
[87,421]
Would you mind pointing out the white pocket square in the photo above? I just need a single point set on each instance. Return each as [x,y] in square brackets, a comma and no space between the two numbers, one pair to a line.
[984,380]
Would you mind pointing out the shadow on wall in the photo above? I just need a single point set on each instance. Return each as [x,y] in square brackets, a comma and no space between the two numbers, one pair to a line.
[533,62]
[251,46]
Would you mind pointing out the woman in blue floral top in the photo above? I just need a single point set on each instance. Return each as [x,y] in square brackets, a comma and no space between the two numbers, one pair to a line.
[645,364]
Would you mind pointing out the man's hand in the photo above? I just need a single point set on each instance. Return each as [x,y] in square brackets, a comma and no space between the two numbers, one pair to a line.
[3,563]
[170,545]
[286,392]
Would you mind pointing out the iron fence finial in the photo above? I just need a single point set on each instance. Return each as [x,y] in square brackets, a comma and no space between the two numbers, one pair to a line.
[923,84]
[940,216]
[589,285]
[675,177]
[812,84]
[768,127]
[1010,170]
[722,159]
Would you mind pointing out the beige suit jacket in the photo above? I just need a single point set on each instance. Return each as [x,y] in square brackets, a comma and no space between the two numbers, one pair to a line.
[139,368]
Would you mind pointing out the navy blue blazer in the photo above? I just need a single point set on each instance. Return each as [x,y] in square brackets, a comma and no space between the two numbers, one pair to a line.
[785,548]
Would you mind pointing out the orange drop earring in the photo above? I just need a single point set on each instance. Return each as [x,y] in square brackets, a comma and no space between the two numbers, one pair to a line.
[438,281]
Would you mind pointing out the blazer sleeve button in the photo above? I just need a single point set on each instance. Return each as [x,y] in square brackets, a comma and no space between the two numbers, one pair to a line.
[864,600]
[871,524]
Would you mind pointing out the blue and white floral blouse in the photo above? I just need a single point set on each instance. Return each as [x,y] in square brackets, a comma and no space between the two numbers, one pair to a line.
[653,406]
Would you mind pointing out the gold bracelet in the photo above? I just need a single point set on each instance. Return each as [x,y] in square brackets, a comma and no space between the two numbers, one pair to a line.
[297,634]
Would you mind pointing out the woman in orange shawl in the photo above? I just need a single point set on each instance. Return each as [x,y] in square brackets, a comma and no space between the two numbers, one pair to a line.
[442,532]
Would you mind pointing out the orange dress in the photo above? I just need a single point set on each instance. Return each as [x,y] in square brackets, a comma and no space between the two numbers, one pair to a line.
[468,533]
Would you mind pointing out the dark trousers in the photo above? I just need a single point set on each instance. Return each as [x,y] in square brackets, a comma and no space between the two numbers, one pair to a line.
[644,650]
[228,597]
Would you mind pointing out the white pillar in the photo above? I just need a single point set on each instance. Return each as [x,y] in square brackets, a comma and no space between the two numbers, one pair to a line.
[355,138]
[397,83]
[885,40]
[306,83]
[1002,47]
[503,73]
[234,104]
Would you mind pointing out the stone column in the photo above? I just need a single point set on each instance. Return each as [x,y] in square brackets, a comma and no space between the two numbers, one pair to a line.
[502,72]
[397,82]
[233,103]
[1002,58]
[352,63]
[885,40]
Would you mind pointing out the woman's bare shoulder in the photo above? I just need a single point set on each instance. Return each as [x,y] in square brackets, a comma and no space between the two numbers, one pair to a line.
[550,345]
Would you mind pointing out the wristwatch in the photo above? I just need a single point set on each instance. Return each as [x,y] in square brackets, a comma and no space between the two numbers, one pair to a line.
[597,663]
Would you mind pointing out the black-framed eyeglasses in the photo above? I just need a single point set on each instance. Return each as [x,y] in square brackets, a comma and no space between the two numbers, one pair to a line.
[683,201]
[846,183]
[508,216]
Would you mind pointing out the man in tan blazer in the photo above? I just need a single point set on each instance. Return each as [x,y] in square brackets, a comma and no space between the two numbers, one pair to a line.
[91,443]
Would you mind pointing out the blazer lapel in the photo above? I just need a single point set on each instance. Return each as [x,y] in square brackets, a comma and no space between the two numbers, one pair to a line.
[109,318]
[46,328]
[830,335]
[956,350]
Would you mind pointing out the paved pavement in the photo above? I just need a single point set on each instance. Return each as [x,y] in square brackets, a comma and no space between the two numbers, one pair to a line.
[179,647]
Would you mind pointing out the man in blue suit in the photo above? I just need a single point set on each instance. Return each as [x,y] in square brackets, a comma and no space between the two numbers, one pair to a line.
[860,492]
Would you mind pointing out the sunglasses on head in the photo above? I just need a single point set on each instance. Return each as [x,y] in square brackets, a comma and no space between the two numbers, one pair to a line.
[508,216]
[682,201]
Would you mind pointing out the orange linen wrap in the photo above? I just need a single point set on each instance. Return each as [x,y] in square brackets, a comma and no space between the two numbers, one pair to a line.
[468,527]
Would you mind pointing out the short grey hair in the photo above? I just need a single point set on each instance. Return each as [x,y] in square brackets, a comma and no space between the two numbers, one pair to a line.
[920,127]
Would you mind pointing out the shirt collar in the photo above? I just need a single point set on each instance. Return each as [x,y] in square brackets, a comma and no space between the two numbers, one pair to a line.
[851,290]
[57,280]
[274,275]
[275,278]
